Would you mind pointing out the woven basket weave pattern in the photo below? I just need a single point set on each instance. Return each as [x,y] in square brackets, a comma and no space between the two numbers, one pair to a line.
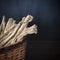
[15,54]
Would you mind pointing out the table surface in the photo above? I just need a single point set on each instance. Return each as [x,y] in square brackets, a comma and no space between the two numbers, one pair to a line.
[42,50]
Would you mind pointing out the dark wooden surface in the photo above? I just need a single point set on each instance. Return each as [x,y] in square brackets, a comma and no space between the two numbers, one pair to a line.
[41,50]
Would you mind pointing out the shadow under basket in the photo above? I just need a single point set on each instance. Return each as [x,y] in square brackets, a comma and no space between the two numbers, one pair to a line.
[14,52]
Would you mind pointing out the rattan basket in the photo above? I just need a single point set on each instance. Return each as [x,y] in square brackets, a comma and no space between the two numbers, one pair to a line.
[14,52]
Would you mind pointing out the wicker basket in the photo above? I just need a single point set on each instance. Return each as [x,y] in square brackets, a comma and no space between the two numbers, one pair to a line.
[14,52]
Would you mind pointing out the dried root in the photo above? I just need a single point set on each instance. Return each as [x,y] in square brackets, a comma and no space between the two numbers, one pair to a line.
[14,33]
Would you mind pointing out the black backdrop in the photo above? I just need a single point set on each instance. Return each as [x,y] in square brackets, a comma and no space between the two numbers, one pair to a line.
[44,45]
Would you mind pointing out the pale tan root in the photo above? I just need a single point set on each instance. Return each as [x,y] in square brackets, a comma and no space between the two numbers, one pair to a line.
[7,37]
[2,36]
[3,24]
[0,30]
[10,25]
[12,35]
[25,32]
[8,43]
[17,34]
[10,22]
[25,23]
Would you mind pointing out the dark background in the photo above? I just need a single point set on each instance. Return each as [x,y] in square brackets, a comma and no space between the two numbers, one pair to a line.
[46,44]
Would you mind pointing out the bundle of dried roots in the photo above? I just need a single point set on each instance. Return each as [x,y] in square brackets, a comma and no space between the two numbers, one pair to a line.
[12,33]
